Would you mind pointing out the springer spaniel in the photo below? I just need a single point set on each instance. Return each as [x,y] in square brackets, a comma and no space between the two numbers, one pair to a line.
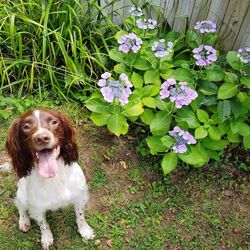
[43,150]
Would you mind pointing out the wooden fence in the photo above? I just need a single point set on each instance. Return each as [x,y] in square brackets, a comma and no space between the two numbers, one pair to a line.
[232,16]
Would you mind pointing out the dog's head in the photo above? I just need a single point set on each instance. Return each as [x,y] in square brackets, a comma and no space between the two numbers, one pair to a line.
[39,137]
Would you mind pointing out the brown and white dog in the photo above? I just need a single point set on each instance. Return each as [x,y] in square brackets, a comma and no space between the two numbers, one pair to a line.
[42,146]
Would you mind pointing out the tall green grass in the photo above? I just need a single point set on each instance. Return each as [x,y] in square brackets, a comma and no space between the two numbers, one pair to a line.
[54,45]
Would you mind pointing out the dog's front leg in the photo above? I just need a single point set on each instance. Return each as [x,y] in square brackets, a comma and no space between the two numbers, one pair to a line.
[46,235]
[83,228]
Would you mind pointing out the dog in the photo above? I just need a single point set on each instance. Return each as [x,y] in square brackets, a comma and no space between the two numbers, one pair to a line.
[44,154]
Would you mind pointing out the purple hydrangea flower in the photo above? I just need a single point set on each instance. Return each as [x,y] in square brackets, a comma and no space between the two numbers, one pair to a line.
[146,23]
[178,93]
[181,139]
[129,42]
[205,26]
[135,11]
[244,54]
[204,55]
[112,89]
[161,48]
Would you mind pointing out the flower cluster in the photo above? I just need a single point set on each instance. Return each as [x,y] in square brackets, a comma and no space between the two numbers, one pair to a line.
[129,42]
[112,89]
[244,54]
[135,11]
[204,55]
[146,23]
[205,26]
[178,93]
[181,139]
[162,49]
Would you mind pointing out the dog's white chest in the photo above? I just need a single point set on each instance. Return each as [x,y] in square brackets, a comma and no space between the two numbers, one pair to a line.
[51,194]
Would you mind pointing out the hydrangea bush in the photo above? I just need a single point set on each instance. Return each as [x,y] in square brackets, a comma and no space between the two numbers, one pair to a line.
[191,99]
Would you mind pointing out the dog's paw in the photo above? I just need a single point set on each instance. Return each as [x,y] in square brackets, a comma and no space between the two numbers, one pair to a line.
[87,232]
[24,224]
[47,241]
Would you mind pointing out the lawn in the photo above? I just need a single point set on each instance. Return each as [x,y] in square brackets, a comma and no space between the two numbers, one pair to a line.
[132,206]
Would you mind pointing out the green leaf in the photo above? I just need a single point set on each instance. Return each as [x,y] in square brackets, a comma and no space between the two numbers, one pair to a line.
[163,104]
[133,108]
[98,106]
[151,76]
[120,68]
[214,133]
[234,138]
[245,81]
[169,162]
[167,141]
[215,75]
[214,145]
[117,124]
[233,60]
[237,108]
[197,155]
[99,119]
[150,90]
[208,88]
[227,90]
[240,127]
[231,77]
[149,102]
[147,116]
[213,154]
[155,145]
[116,55]
[209,101]
[224,110]
[246,141]
[142,64]
[186,115]
[161,123]
[200,132]
[181,74]
[223,128]
[202,115]
[137,80]
[120,33]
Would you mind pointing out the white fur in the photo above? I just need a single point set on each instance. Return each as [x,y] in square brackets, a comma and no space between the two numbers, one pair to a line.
[36,195]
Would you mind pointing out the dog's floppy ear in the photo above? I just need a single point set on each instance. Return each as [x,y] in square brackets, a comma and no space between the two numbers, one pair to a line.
[21,158]
[69,150]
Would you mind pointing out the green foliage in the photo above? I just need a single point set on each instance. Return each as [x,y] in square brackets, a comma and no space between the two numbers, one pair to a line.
[216,118]
[53,45]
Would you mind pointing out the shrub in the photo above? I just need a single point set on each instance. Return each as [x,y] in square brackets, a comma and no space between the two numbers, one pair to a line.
[192,99]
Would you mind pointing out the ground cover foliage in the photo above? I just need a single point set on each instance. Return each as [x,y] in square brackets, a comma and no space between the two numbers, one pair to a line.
[187,101]
[132,206]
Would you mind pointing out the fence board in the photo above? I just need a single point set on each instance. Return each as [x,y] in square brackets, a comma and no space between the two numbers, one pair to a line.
[232,16]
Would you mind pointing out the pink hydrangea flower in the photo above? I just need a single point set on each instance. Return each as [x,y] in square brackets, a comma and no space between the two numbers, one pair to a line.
[146,23]
[181,138]
[129,42]
[115,89]
[244,54]
[204,55]
[178,93]
[161,48]
[135,11]
[205,26]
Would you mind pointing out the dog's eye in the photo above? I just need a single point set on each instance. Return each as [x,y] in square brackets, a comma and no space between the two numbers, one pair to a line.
[53,122]
[26,126]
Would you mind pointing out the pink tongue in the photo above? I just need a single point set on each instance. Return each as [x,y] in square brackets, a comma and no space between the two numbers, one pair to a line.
[47,164]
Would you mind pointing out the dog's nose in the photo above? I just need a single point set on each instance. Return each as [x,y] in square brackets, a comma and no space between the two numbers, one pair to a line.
[42,138]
